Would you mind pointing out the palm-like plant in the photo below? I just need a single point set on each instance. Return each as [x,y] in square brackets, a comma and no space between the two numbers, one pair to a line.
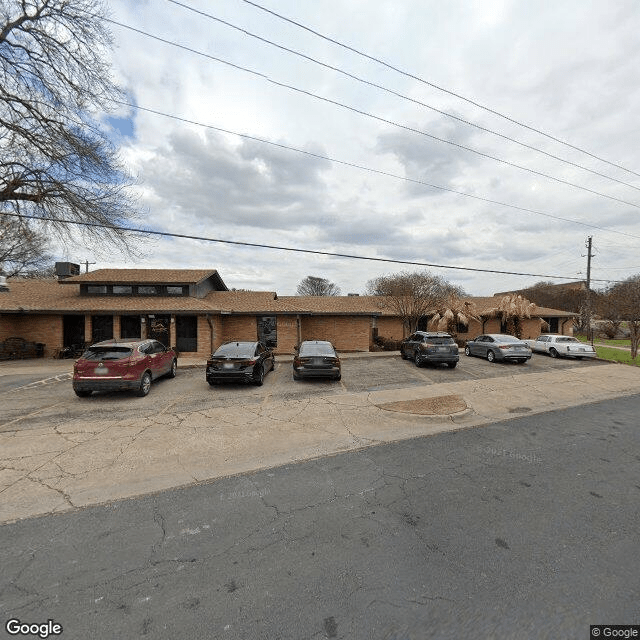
[454,312]
[512,310]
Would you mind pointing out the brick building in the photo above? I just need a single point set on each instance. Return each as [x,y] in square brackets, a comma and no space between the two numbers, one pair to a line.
[193,310]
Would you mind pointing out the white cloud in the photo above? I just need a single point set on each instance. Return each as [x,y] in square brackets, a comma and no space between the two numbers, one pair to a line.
[568,69]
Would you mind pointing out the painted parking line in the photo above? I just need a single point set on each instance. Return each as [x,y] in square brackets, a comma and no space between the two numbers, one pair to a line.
[52,380]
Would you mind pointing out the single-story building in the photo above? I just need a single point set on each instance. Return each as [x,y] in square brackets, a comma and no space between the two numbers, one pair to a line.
[193,310]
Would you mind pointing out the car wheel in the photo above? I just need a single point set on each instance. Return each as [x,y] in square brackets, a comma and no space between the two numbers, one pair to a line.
[273,364]
[520,361]
[82,393]
[491,357]
[212,383]
[467,351]
[338,377]
[259,379]
[416,358]
[452,365]
[145,385]
[403,355]
[553,353]
[173,370]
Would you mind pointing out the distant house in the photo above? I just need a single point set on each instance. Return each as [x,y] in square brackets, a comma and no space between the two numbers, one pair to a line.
[193,310]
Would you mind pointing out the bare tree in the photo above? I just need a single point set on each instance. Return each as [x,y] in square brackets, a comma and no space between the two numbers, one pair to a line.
[412,295]
[22,250]
[55,159]
[314,286]
[625,298]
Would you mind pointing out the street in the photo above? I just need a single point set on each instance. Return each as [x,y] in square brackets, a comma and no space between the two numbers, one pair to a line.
[525,528]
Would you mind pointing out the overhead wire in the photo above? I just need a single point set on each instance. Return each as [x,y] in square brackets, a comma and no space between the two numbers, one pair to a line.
[372,116]
[290,249]
[374,171]
[407,74]
[399,95]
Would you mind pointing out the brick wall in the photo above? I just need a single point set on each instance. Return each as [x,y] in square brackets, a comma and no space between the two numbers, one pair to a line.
[34,328]
[238,328]
[347,333]
[287,327]
[390,328]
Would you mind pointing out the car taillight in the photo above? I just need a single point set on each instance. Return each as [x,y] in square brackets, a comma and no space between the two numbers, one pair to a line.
[248,363]
[296,362]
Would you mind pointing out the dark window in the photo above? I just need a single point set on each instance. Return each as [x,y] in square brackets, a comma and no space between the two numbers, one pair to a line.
[101,328]
[73,330]
[317,349]
[130,327]
[147,290]
[159,329]
[122,289]
[97,289]
[268,331]
[175,291]
[187,333]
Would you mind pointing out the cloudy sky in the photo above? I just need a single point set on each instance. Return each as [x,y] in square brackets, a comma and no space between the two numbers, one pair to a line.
[567,69]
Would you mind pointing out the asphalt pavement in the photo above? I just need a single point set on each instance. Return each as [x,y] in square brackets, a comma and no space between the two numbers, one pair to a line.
[522,529]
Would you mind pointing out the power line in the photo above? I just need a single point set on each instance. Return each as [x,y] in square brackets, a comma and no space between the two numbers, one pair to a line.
[372,116]
[374,171]
[400,95]
[292,249]
[439,88]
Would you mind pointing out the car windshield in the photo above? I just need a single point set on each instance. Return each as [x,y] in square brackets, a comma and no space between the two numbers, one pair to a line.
[567,340]
[107,353]
[236,350]
[320,349]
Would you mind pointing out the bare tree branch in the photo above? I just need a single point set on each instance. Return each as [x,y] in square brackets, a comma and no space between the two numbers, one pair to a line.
[55,159]
[314,286]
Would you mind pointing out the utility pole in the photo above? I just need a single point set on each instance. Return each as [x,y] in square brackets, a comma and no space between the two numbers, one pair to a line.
[86,265]
[588,300]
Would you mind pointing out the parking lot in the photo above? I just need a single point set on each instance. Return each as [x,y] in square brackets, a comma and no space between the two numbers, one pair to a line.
[55,402]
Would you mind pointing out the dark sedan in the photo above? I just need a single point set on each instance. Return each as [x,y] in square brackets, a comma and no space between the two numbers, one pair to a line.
[430,347]
[316,359]
[240,362]
[499,346]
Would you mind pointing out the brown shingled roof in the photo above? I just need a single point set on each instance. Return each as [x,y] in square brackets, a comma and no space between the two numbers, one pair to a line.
[142,276]
[46,296]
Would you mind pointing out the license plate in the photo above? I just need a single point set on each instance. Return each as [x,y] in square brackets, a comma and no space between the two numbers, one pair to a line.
[101,371]
[228,365]
[443,349]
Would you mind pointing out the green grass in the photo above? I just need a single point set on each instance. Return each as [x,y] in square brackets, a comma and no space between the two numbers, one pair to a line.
[616,355]
[625,342]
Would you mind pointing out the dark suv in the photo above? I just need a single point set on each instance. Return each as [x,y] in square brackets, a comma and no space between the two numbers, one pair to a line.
[430,346]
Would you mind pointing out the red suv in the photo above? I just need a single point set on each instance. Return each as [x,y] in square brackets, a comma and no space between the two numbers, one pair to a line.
[113,365]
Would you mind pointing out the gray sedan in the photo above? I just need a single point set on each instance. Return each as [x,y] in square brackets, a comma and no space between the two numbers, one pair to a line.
[499,346]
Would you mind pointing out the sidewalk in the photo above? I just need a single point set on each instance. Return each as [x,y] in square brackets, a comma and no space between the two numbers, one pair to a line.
[53,469]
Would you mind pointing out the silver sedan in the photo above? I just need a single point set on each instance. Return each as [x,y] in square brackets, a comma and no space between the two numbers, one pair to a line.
[499,346]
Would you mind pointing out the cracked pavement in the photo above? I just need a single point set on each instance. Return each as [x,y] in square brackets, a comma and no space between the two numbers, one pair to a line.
[59,452]
[525,528]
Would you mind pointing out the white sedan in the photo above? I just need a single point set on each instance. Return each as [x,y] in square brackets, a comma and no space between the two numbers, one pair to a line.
[557,345]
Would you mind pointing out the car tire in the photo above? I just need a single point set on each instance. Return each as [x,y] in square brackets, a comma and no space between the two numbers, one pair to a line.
[273,364]
[467,351]
[259,380]
[82,393]
[295,377]
[452,365]
[212,383]
[416,358]
[338,377]
[553,353]
[173,370]
[145,385]
[403,355]
[520,361]
[491,356]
